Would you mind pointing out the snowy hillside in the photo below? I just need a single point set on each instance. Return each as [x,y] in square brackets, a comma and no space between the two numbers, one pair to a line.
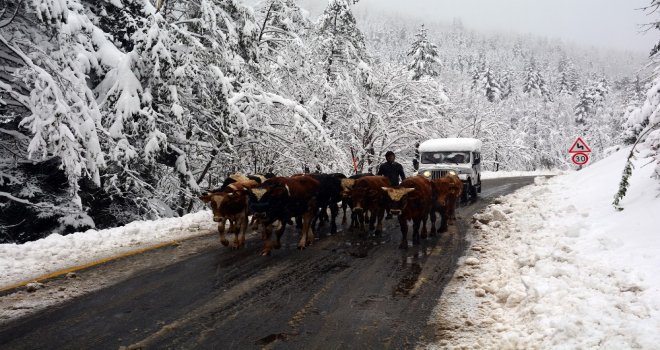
[554,265]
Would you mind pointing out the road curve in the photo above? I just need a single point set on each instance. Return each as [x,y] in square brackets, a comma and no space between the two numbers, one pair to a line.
[346,291]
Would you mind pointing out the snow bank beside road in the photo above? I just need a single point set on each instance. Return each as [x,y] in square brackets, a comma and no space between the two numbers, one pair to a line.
[554,265]
[21,262]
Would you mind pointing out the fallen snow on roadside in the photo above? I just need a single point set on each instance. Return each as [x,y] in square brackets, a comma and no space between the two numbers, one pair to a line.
[554,265]
[21,262]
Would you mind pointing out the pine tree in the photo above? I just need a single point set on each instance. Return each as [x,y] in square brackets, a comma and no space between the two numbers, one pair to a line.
[343,42]
[565,86]
[424,56]
[585,106]
[492,88]
[506,86]
[485,82]
[342,52]
[534,84]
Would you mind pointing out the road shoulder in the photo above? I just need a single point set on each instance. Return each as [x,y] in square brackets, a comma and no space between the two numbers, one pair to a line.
[28,299]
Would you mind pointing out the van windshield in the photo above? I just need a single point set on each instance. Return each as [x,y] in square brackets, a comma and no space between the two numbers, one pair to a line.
[445,157]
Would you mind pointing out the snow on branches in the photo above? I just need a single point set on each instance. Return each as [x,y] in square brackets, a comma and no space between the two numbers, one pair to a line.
[424,59]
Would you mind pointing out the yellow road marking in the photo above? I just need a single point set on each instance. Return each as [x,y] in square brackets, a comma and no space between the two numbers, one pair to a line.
[84,266]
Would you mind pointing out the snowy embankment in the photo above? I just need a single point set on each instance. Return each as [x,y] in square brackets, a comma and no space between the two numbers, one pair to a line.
[554,265]
[22,262]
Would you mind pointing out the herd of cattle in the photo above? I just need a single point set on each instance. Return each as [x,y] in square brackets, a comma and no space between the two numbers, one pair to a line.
[307,199]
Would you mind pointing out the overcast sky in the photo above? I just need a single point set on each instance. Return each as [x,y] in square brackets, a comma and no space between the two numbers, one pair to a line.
[602,23]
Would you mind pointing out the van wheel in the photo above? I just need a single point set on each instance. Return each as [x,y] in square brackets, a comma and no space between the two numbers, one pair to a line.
[473,192]
[465,196]
[479,185]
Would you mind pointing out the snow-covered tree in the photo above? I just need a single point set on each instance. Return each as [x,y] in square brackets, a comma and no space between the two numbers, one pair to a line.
[505,85]
[643,123]
[424,59]
[534,84]
[590,99]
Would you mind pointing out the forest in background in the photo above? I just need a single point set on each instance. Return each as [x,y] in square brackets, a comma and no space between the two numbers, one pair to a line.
[118,110]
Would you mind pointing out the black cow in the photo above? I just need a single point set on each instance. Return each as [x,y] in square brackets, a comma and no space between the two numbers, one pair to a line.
[280,199]
[328,197]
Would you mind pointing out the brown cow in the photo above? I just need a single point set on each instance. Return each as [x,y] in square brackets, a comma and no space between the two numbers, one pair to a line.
[447,192]
[279,199]
[367,196]
[231,204]
[456,190]
[411,200]
[347,200]
[346,187]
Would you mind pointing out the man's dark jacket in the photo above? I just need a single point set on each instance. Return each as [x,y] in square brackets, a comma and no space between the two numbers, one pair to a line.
[392,171]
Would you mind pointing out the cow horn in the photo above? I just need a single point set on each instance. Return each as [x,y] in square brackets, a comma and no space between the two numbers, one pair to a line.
[287,190]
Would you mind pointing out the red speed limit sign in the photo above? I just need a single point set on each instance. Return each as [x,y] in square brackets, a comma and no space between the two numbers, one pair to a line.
[580,151]
[580,158]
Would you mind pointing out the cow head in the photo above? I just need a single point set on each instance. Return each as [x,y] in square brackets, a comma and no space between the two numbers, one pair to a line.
[396,198]
[221,201]
[362,196]
[267,196]
[442,189]
[346,187]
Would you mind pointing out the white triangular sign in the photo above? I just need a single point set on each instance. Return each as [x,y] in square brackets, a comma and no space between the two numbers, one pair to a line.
[579,146]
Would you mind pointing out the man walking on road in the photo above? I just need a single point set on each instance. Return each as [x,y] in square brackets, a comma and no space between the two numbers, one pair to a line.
[392,171]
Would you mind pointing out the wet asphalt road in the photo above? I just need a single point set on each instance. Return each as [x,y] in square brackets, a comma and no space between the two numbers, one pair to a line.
[344,292]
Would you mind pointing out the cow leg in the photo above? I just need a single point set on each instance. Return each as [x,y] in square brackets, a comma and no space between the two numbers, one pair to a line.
[403,223]
[423,233]
[379,226]
[221,231]
[355,220]
[310,230]
[451,215]
[243,227]
[344,205]
[444,217]
[254,223]
[360,219]
[269,244]
[323,215]
[266,230]
[280,232]
[415,235]
[372,220]
[306,235]
[453,210]
[334,210]
[433,231]
[234,228]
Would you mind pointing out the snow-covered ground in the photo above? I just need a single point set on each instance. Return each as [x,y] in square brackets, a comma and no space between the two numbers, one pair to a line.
[21,262]
[554,265]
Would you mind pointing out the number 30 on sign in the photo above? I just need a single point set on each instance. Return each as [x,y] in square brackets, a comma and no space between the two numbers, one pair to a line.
[580,158]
